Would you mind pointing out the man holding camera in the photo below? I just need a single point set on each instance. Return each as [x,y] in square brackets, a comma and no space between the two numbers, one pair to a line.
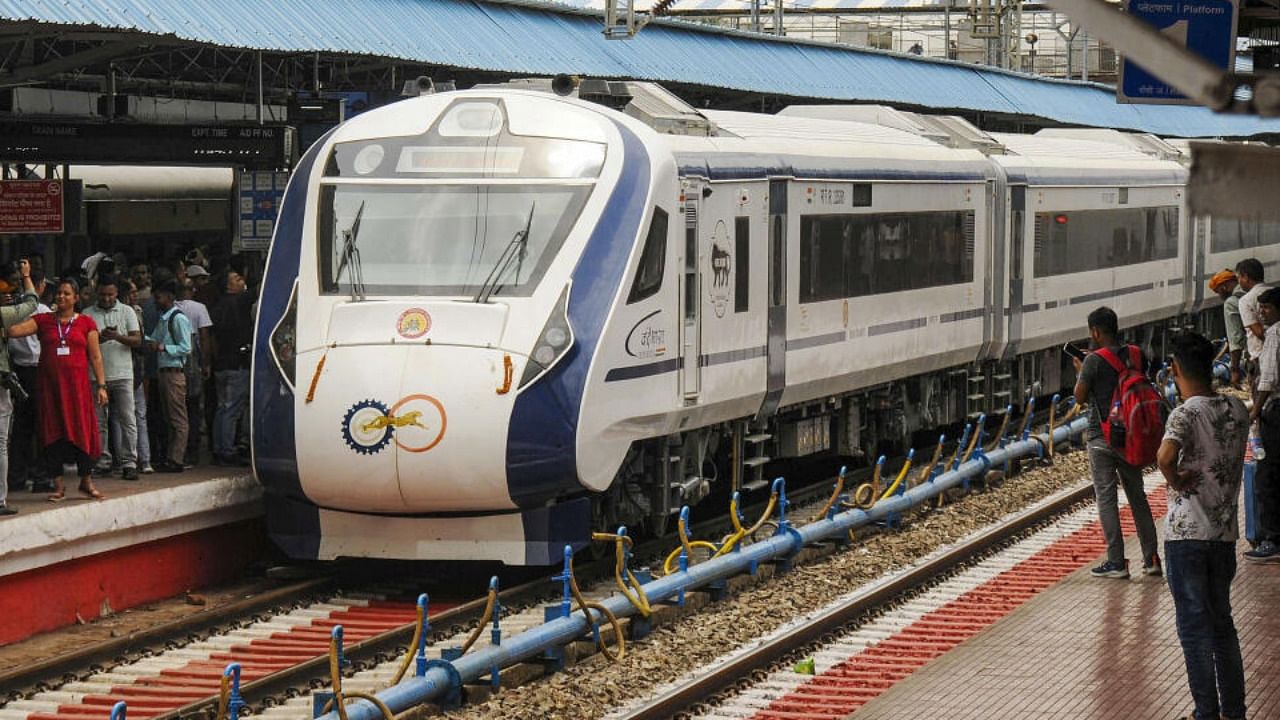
[9,315]
[118,335]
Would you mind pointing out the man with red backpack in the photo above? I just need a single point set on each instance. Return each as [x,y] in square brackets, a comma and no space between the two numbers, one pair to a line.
[1124,433]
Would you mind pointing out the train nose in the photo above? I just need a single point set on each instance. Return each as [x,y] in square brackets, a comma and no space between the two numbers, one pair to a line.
[406,426]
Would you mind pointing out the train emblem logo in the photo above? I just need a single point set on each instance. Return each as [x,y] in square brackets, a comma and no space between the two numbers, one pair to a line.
[415,424]
[413,323]
[721,266]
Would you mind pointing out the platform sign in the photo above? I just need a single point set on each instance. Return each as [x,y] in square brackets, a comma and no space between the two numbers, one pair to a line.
[1206,27]
[31,207]
[260,194]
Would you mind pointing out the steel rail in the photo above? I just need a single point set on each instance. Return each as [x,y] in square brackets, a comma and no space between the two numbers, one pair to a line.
[443,680]
[107,650]
[695,690]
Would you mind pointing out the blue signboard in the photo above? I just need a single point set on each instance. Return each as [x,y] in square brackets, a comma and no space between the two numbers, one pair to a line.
[260,195]
[1206,27]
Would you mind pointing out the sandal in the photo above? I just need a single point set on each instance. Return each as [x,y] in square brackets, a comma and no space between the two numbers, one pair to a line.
[92,493]
[57,497]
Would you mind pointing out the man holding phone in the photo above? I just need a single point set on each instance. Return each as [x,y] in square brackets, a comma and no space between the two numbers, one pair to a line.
[118,335]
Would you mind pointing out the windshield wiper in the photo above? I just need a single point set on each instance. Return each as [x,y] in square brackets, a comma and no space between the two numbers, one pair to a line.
[351,258]
[515,250]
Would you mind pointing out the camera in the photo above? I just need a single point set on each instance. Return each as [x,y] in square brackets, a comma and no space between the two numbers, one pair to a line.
[10,382]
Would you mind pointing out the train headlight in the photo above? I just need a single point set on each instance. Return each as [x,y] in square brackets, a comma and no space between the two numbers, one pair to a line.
[554,340]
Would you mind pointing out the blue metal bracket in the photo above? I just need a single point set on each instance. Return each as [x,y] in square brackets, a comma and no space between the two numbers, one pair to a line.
[964,442]
[119,710]
[336,634]
[1031,409]
[784,526]
[452,697]
[420,667]
[320,699]
[752,566]
[235,701]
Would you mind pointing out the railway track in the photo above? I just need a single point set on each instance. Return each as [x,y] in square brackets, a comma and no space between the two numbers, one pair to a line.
[281,656]
[831,662]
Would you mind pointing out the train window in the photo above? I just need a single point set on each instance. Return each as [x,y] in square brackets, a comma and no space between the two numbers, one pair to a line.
[1083,240]
[1227,234]
[741,264]
[455,239]
[653,259]
[844,256]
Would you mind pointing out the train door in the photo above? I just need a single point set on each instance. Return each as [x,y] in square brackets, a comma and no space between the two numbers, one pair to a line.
[1017,250]
[776,345]
[691,295]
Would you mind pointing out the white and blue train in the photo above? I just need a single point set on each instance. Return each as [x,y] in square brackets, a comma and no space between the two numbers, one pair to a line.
[493,320]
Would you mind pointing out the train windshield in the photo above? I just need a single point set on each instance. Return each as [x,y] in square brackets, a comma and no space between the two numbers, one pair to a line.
[443,239]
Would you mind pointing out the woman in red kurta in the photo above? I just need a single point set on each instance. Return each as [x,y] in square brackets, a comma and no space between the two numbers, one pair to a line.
[68,418]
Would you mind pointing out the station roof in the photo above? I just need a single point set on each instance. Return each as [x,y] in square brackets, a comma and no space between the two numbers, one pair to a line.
[541,39]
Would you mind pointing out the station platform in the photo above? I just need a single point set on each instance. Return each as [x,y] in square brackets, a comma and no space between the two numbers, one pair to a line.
[74,561]
[1086,647]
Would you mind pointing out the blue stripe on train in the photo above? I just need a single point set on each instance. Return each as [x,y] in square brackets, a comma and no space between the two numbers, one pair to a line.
[292,520]
[541,443]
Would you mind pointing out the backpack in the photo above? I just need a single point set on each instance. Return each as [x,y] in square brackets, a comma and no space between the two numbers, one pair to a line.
[1135,426]
[190,363]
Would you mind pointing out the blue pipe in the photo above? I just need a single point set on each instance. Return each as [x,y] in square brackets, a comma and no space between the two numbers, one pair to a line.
[443,678]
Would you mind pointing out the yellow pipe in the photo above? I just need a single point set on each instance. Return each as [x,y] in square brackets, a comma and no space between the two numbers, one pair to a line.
[586,608]
[906,467]
[933,462]
[484,621]
[413,648]
[835,495]
[866,494]
[635,591]
[224,696]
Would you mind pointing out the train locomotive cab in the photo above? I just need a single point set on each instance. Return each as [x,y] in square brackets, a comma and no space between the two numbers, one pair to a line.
[423,337]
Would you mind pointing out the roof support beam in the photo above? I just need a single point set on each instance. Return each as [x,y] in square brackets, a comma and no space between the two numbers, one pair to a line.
[71,62]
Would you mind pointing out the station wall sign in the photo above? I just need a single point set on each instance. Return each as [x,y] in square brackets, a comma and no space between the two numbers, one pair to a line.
[1206,27]
[31,207]
[259,146]
[260,194]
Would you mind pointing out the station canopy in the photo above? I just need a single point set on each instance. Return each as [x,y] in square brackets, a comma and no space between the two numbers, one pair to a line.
[543,39]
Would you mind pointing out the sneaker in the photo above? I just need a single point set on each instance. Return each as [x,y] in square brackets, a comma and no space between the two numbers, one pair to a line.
[169,467]
[1266,552]
[102,471]
[1152,566]
[1109,569]
[147,469]
[129,474]
[6,510]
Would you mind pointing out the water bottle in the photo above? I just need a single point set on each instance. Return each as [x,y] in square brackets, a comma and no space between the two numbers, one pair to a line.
[1255,443]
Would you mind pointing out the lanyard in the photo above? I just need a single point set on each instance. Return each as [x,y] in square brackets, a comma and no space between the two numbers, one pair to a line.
[64,330]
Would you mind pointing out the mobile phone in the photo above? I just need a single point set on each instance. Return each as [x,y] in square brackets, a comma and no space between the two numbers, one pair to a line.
[1074,351]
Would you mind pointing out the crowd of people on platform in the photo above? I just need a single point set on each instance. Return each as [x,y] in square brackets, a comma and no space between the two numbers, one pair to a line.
[1202,459]
[121,369]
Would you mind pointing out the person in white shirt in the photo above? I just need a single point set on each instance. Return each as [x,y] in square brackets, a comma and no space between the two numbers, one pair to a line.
[1202,458]
[1250,276]
[118,333]
[25,462]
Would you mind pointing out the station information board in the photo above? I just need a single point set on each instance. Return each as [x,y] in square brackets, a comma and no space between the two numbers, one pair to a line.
[260,194]
[259,146]
[1206,27]
[31,207]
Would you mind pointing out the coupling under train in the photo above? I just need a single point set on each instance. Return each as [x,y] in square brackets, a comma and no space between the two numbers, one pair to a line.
[493,320]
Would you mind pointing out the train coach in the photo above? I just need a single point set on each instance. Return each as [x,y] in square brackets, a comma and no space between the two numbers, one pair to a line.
[494,319]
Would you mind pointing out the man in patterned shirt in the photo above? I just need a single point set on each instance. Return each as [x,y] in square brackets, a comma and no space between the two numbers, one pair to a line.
[1202,458]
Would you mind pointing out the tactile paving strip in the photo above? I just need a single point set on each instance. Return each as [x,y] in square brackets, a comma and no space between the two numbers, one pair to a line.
[860,666]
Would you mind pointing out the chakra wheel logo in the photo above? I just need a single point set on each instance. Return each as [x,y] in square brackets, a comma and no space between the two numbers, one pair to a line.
[364,429]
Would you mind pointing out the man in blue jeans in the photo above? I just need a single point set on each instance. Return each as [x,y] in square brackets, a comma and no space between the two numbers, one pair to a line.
[232,335]
[1202,459]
